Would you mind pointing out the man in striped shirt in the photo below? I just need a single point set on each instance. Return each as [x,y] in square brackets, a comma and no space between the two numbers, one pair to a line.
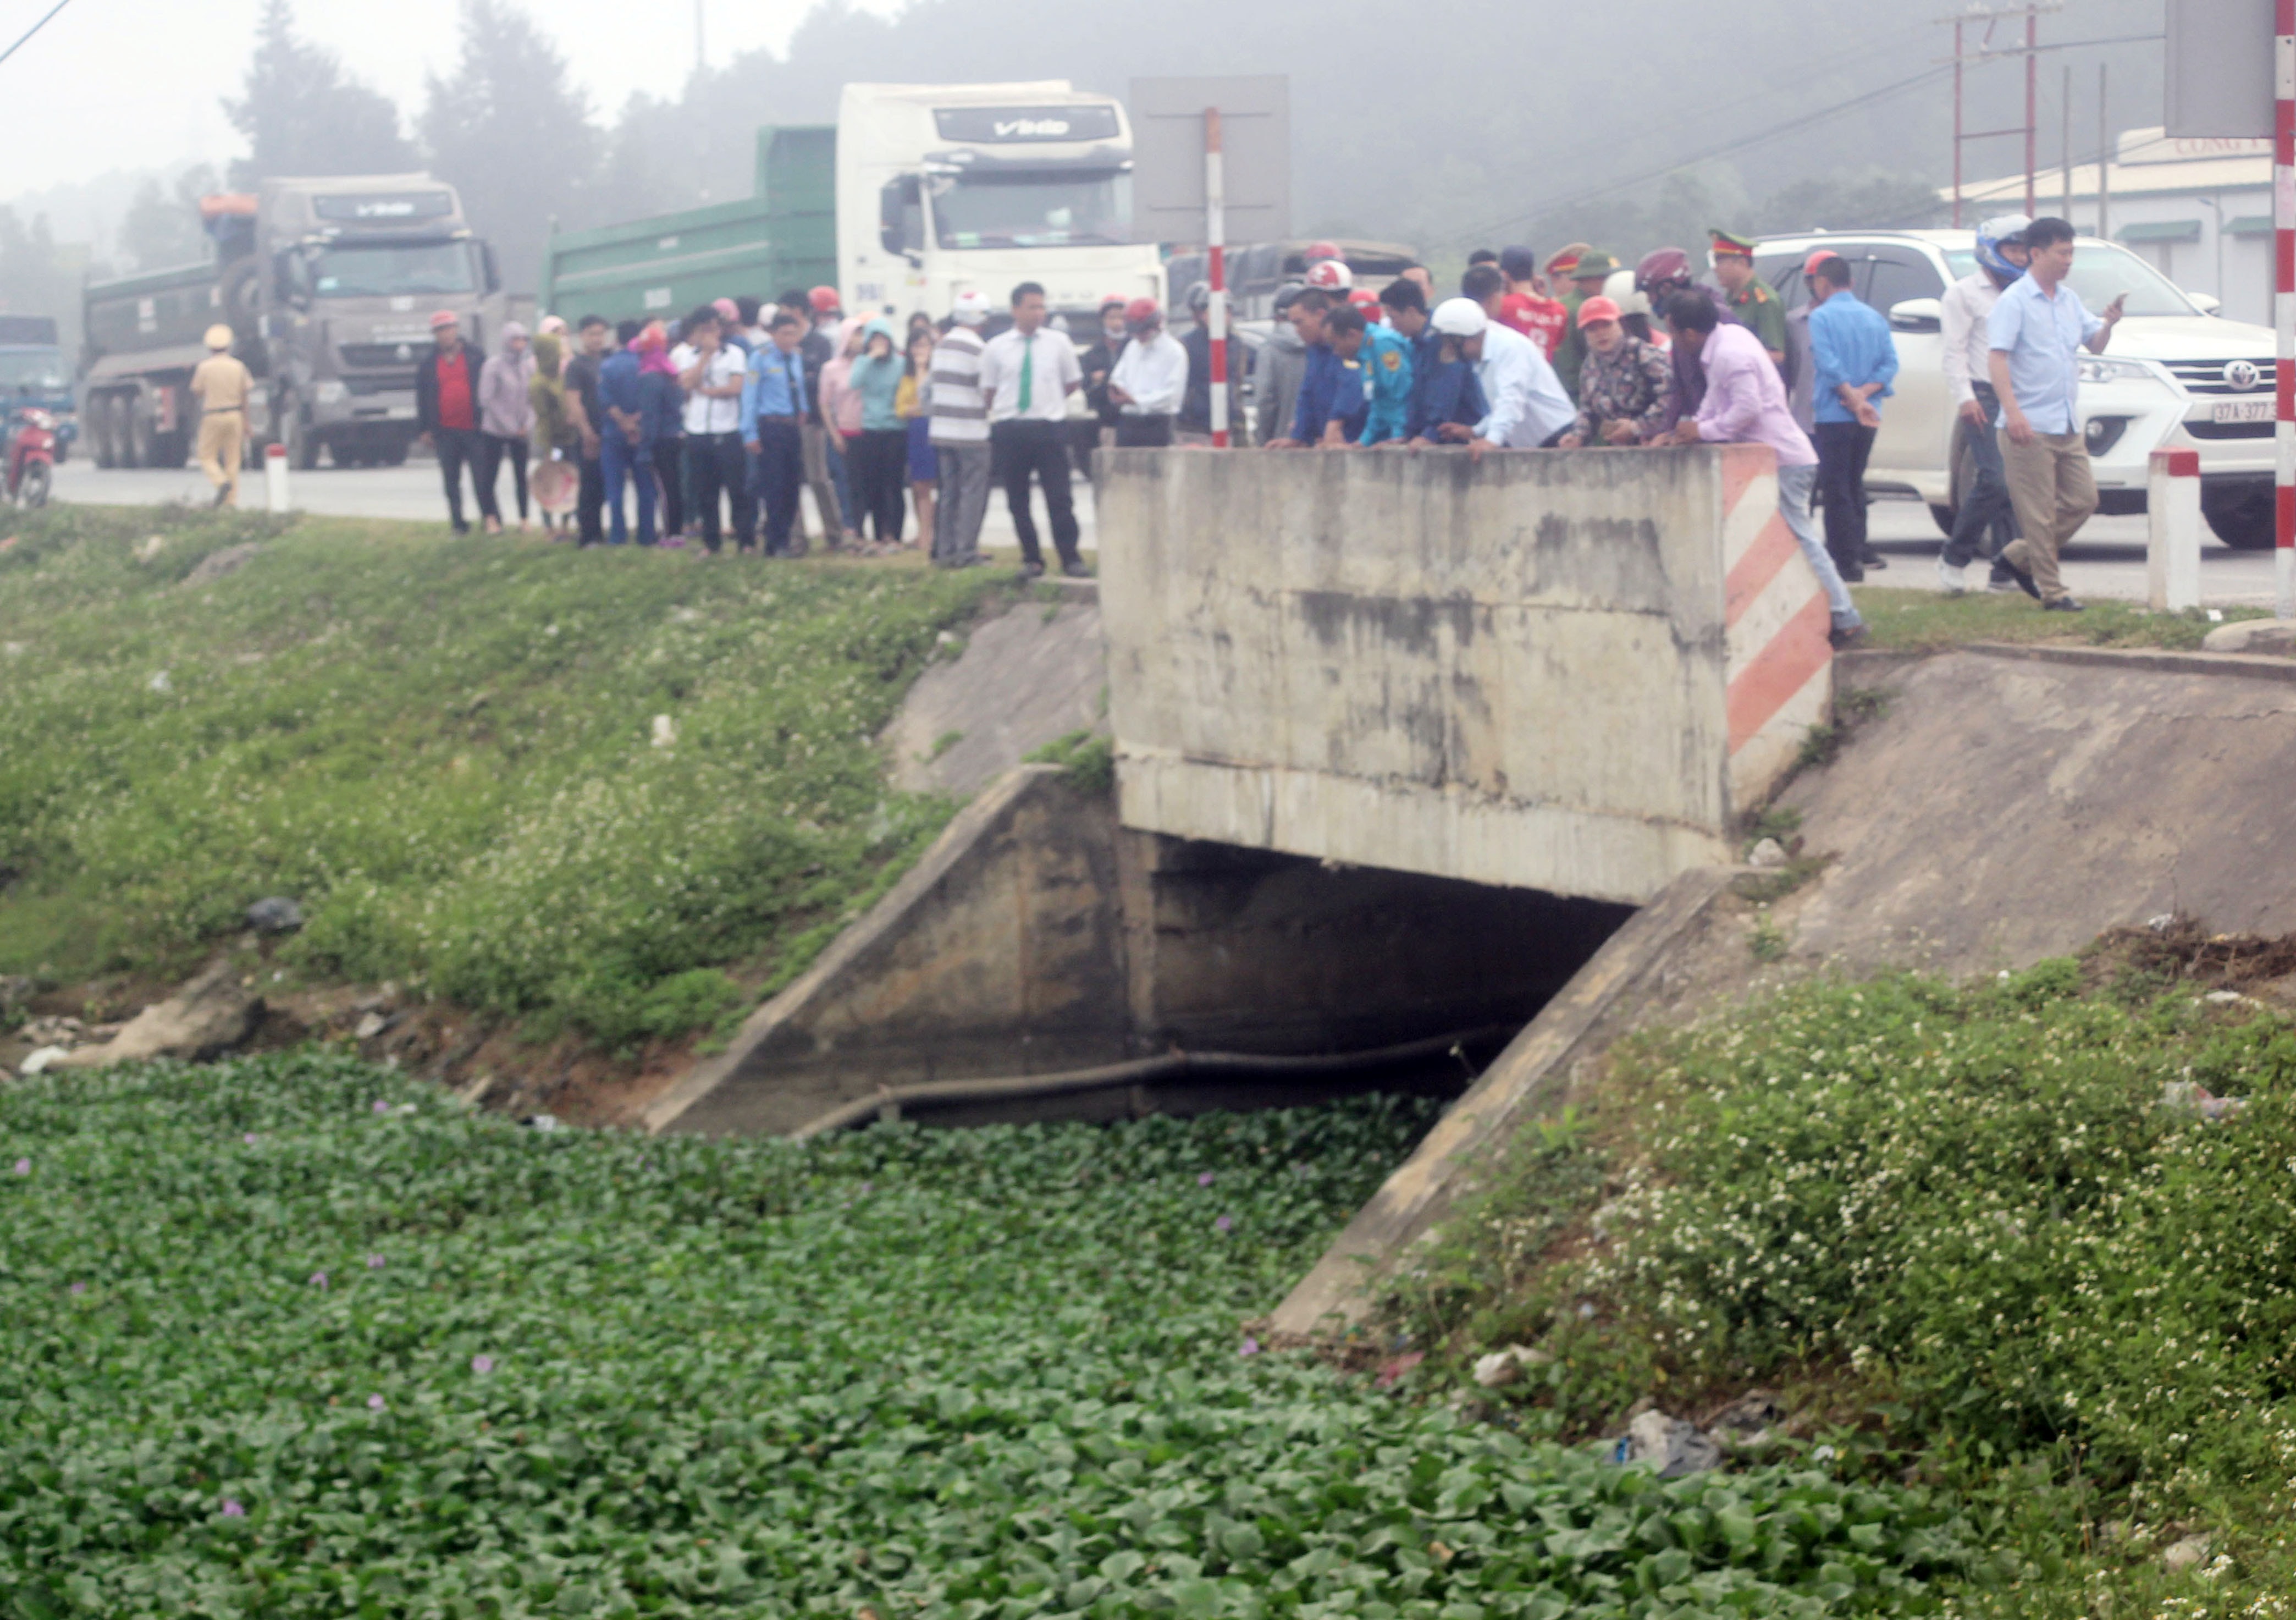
[960,436]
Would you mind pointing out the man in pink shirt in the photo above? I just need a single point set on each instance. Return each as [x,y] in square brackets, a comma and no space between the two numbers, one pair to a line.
[1746,402]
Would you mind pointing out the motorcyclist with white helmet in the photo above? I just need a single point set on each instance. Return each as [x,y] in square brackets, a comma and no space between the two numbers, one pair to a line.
[1986,522]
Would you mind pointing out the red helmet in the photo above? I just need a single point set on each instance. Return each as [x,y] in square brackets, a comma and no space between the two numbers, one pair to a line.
[1809,266]
[1317,251]
[1366,301]
[825,300]
[1142,312]
[1112,301]
[1660,266]
[1330,275]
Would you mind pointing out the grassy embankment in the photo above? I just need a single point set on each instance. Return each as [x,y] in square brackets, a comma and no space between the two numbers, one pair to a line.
[1916,620]
[446,751]
[294,1336]
[1980,1232]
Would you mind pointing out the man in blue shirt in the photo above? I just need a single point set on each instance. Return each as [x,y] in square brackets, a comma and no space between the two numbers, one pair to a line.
[2037,331]
[772,426]
[1852,360]
[1332,403]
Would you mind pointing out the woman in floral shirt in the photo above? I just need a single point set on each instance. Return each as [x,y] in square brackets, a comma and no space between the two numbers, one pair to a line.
[1622,388]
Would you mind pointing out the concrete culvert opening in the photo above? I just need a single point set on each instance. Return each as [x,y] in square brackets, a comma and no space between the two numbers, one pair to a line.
[1040,942]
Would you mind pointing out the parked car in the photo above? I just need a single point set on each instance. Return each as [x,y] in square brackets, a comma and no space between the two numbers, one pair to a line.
[2177,377]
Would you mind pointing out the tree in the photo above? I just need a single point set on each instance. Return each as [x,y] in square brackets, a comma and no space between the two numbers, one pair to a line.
[512,133]
[162,225]
[302,115]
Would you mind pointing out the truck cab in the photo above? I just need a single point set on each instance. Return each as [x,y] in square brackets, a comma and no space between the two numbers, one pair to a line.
[2175,377]
[948,188]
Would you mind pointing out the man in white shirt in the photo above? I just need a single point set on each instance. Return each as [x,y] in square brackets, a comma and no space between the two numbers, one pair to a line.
[960,435]
[1150,379]
[1026,374]
[1986,522]
[1529,410]
[710,371]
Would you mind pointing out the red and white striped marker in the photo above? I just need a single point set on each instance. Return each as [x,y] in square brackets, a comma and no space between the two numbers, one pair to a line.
[2172,549]
[2283,300]
[1216,255]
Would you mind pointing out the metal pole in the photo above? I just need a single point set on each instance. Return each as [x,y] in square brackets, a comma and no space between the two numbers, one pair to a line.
[2284,300]
[2103,161]
[2032,105]
[1216,250]
[2066,144]
[1957,123]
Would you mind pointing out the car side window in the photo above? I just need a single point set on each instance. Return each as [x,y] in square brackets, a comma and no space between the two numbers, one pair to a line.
[1782,271]
[1895,274]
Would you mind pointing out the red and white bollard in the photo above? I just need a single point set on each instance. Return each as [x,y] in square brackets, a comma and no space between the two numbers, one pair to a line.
[274,476]
[2172,555]
[2284,299]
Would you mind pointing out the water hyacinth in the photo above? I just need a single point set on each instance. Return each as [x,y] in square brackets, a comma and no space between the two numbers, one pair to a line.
[1225,1223]
[23,1167]
[318,1280]
[482,1365]
[375,1263]
[232,1509]
[376,1403]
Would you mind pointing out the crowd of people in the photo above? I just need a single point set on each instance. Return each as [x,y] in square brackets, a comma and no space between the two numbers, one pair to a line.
[715,426]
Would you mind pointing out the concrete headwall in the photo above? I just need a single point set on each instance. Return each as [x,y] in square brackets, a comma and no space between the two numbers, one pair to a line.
[1552,670]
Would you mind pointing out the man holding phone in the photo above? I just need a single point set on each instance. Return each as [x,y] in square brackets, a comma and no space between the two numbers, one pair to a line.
[2037,331]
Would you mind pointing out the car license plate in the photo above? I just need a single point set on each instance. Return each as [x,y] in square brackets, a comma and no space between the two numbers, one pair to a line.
[2243,410]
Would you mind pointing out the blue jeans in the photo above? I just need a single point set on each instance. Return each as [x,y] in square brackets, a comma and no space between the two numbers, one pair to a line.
[622,460]
[1987,522]
[1794,487]
[848,515]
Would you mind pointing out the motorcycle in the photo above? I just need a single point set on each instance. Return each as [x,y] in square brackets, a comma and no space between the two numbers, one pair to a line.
[31,458]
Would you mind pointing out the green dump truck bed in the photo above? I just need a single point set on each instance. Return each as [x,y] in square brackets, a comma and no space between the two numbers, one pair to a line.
[785,235]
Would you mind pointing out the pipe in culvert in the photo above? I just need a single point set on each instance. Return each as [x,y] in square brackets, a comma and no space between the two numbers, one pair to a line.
[887,1101]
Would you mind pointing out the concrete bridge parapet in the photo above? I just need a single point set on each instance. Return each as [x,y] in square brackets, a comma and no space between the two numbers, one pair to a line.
[1557,669]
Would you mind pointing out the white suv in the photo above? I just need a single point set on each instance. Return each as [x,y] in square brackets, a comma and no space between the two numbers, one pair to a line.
[2175,377]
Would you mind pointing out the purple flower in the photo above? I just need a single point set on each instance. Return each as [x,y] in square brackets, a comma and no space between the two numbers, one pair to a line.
[23,1167]
[482,1365]
[375,1263]
[318,1280]
[1251,1346]
[382,1106]
[1204,1178]
[868,1186]
[231,1509]
[79,1288]
[1223,1223]
[375,1403]
[249,1139]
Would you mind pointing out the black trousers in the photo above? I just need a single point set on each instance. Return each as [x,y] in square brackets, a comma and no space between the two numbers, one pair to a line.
[879,462]
[459,447]
[1026,448]
[494,449]
[1842,448]
[590,502]
[780,468]
[669,471]
[1143,433]
[716,465]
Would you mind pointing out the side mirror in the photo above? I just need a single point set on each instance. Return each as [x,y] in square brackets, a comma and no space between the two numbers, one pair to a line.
[1917,315]
[2206,303]
[901,218]
[492,270]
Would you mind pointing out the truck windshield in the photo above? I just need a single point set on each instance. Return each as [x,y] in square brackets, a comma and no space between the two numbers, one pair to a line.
[376,271]
[1032,210]
[2101,273]
[33,371]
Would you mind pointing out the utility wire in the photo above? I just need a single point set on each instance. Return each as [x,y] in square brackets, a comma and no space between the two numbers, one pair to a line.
[35,28]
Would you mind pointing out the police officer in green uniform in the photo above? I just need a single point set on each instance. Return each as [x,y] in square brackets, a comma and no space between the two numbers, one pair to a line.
[1749,303]
[1587,279]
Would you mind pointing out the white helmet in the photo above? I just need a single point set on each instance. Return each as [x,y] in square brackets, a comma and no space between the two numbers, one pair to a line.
[1459,317]
[969,308]
[1330,275]
[1621,290]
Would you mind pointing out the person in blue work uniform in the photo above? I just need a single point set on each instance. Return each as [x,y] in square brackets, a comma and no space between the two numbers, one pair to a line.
[1853,360]
[1331,392]
[638,410]
[1389,357]
[773,402]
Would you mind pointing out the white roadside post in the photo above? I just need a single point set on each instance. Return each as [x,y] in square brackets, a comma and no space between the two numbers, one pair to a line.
[2172,555]
[274,476]
[1216,255]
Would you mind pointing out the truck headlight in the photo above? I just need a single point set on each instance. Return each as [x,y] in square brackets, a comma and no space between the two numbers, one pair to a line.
[2095,368]
[331,391]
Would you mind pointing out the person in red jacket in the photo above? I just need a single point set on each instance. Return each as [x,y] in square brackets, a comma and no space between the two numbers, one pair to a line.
[446,410]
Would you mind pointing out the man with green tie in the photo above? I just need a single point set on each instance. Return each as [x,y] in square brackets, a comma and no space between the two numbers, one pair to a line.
[1026,373]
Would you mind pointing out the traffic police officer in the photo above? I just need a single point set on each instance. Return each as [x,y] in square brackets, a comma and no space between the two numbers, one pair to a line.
[1744,298]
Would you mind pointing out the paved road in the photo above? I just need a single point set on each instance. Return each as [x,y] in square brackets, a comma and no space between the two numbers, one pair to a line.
[2106,560]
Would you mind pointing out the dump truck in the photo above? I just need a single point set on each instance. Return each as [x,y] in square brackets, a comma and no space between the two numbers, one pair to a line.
[328,286]
[918,193]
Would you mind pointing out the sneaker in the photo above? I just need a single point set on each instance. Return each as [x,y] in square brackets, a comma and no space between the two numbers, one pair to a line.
[1844,639]
[1950,579]
[1077,570]
[1873,560]
[2062,605]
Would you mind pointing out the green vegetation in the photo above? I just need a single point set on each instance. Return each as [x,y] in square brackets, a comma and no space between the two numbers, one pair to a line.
[294,1336]
[1925,621]
[1087,759]
[448,751]
[1989,1234]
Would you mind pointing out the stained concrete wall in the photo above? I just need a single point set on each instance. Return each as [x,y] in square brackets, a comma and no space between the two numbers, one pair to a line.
[1036,936]
[1520,672]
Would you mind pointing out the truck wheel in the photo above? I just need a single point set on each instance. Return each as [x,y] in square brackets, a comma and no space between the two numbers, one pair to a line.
[98,417]
[2241,515]
[143,444]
